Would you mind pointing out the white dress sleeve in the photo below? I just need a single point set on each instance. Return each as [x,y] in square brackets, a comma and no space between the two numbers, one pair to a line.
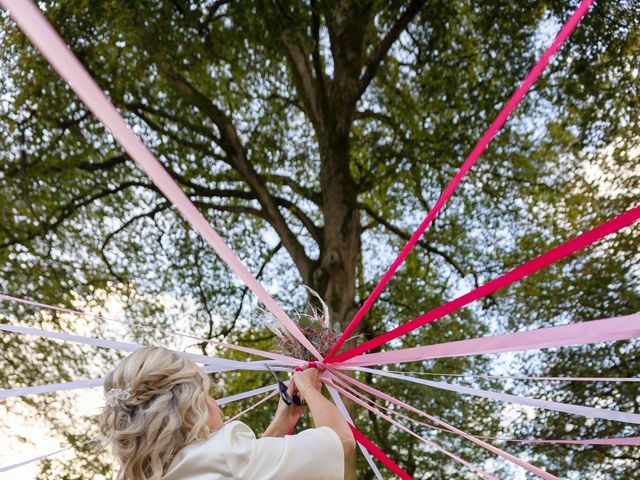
[234,453]
[313,454]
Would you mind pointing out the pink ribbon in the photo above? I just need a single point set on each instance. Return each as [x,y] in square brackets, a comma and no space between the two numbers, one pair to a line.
[515,377]
[253,351]
[618,441]
[604,413]
[511,104]
[345,413]
[427,442]
[555,254]
[594,331]
[533,469]
[46,39]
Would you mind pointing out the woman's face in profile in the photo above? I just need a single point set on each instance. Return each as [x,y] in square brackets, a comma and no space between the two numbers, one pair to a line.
[215,414]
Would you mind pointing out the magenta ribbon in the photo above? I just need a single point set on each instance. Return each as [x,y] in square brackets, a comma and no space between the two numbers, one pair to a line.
[499,121]
[551,256]
[34,24]
[594,331]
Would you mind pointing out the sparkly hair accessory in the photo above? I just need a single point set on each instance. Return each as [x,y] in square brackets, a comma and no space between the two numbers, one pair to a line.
[116,394]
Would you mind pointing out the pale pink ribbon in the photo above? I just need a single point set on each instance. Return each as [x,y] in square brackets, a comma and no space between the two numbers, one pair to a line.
[96,382]
[253,351]
[34,24]
[222,401]
[340,377]
[427,442]
[594,331]
[617,441]
[255,405]
[345,413]
[604,413]
[517,377]
[113,344]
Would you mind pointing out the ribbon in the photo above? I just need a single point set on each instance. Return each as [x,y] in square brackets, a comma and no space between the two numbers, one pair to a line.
[519,377]
[551,256]
[482,144]
[345,413]
[49,388]
[594,331]
[128,347]
[533,469]
[427,442]
[96,382]
[34,24]
[603,413]
[222,401]
[253,351]
[379,454]
[47,455]
[617,441]
[247,394]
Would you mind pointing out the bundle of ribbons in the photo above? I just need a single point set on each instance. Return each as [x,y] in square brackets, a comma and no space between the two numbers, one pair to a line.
[337,362]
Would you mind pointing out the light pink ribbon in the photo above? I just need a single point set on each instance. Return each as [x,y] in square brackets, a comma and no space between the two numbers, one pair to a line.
[604,413]
[117,345]
[507,456]
[253,351]
[345,413]
[518,377]
[222,401]
[618,441]
[223,366]
[34,24]
[427,442]
[594,331]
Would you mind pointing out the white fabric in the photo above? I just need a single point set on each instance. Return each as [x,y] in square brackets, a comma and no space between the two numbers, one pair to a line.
[234,452]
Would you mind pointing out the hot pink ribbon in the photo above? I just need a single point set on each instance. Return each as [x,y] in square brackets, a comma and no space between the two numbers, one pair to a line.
[594,331]
[46,39]
[511,104]
[555,254]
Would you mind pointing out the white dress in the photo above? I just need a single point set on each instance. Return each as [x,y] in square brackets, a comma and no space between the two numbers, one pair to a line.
[234,452]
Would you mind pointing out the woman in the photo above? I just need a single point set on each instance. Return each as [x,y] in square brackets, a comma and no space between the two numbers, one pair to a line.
[161,423]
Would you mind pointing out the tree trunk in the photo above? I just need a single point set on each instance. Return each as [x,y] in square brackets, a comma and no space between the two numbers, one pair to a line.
[335,276]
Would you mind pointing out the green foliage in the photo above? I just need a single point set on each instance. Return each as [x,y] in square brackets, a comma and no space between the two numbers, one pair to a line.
[218,92]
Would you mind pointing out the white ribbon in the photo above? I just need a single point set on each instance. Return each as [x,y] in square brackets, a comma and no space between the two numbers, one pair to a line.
[603,413]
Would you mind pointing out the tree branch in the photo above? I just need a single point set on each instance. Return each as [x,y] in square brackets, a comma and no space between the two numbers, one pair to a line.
[405,236]
[427,246]
[150,214]
[230,142]
[305,83]
[68,210]
[376,57]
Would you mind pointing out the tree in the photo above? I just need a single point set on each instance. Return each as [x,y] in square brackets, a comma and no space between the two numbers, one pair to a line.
[314,135]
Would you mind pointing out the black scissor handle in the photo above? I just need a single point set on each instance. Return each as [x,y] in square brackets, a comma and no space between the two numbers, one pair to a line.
[284,393]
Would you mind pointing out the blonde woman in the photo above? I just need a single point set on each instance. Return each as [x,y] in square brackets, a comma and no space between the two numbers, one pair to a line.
[162,424]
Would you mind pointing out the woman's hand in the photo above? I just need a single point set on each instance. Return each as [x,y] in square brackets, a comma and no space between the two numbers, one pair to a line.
[309,377]
[289,413]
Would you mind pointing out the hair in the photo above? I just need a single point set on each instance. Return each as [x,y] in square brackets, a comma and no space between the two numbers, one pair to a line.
[165,411]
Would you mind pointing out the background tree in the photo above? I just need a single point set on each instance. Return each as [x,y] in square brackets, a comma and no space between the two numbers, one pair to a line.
[314,135]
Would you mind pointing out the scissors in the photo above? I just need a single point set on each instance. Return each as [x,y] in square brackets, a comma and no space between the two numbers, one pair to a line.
[284,392]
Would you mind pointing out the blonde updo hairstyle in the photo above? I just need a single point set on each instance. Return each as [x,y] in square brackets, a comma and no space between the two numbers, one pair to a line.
[163,411]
